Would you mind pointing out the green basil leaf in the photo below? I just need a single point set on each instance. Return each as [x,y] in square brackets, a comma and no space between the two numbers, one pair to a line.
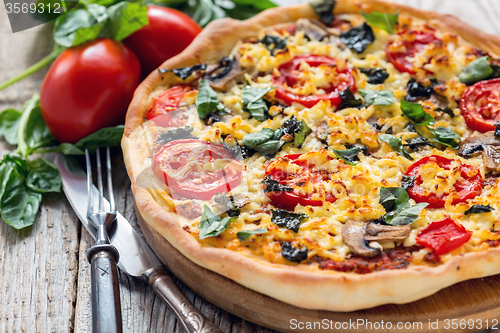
[270,148]
[18,204]
[324,10]
[476,70]
[445,136]
[350,156]
[301,135]
[393,198]
[477,209]
[43,176]
[105,137]
[36,133]
[396,145]
[404,216]
[212,225]
[257,110]
[286,219]
[252,140]
[383,21]
[125,18]
[207,99]
[206,11]
[79,26]
[378,97]
[244,235]
[251,98]
[9,120]
[415,112]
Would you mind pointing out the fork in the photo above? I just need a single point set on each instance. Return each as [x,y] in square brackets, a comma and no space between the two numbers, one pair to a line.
[106,308]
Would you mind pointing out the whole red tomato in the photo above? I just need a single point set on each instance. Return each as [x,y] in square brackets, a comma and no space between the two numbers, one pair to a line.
[168,33]
[88,87]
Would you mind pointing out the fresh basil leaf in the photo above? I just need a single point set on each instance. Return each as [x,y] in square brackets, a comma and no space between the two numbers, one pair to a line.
[476,70]
[285,219]
[348,100]
[445,136]
[66,149]
[9,120]
[324,10]
[244,9]
[36,133]
[43,176]
[205,11]
[207,99]
[274,43]
[244,235]
[270,148]
[375,75]
[393,198]
[301,135]
[105,137]
[383,21]
[415,112]
[79,26]
[407,181]
[477,209]
[17,162]
[272,185]
[185,72]
[252,140]
[293,254]
[125,18]
[404,216]
[358,38]
[396,145]
[377,97]
[18,204]
[212,225]
[251,98]
[350,156]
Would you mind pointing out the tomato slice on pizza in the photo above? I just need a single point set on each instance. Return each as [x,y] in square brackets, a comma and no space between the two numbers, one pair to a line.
[443,236]
[165,108]
[196,169]
[480,105]
[297,80]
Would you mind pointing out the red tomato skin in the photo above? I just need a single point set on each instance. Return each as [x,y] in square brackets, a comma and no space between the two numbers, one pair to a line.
[468,189]
[443,236]
[168,33]
[88,87]
[163,111]
[289,200]
[289,77]
[399,59]
[194,186]
[486,91]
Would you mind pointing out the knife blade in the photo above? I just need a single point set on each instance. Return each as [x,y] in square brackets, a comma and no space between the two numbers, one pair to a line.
[136,258]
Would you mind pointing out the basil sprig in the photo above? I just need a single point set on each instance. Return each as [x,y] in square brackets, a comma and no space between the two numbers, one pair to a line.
[442,135]
[245,234]
[396,144]
[349,156]
[396,202]
[212,225]
[251,98]
[477,70]
[207,99]
[383,21]
[377,97]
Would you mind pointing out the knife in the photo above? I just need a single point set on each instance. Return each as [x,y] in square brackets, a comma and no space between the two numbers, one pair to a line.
[136,258]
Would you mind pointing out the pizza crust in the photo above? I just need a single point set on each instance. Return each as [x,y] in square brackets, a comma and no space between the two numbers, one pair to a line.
[302,285]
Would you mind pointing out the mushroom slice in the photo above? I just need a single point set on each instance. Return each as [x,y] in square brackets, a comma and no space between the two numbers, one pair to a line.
[487,144]
[379,232]
[321,131]
[313,29]
[225,74]
[353,234]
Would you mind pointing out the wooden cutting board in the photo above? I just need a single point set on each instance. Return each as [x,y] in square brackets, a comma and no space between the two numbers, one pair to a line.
[465,307]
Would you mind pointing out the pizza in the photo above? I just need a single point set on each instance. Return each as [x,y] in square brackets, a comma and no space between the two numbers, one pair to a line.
[320,153]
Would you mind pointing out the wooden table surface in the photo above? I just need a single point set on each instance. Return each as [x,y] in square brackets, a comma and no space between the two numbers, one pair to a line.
[44,273]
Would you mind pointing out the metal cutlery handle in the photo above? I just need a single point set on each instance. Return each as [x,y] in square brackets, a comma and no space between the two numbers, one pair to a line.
[106,308]
[192,319]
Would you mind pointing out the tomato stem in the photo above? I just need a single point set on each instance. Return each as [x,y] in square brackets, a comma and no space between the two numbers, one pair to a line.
[35,67]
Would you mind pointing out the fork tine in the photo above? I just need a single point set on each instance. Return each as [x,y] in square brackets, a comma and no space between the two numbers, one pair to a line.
[111,198]
[90,206]
[99,181]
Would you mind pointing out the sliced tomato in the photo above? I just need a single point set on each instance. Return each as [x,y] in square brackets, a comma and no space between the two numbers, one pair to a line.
[467,188]
[480,105]
[289,77]
[196,169]
[443,236]
[297,180]
[412,42]
[165,107]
